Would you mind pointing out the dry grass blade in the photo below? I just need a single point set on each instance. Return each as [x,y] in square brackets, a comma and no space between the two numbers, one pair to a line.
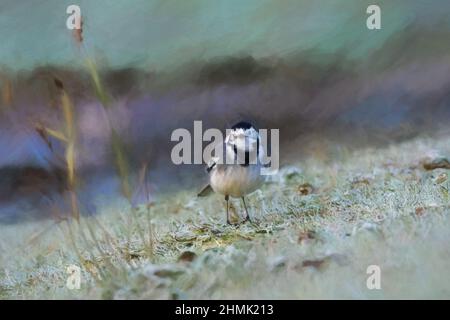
[100,92]
[56,134]
[7,92]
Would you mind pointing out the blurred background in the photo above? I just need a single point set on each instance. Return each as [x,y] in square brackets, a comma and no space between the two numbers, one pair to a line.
[311,69]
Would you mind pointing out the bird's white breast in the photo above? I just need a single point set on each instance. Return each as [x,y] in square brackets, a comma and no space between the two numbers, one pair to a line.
[236,180]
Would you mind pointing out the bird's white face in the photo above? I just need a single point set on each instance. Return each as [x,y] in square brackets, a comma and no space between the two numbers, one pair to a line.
[243,140]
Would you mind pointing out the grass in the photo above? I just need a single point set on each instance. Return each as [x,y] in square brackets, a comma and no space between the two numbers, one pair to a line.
[317,226]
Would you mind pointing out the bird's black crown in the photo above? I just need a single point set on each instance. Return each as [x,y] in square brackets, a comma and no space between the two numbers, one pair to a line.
[243,125]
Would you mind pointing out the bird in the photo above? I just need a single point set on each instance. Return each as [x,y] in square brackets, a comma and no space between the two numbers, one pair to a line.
[241,177]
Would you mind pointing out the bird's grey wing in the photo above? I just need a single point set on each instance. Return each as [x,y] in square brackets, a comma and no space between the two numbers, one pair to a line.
[213,164]
[207,190]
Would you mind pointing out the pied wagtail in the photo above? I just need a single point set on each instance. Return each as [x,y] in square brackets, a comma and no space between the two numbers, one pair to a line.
[243,175]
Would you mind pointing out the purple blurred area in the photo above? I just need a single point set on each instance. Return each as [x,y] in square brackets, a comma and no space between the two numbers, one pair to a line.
[401,90]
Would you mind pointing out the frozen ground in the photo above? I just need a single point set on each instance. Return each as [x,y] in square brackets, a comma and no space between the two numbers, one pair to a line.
[316,228]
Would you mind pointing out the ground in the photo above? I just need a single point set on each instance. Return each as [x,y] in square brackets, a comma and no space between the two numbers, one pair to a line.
[317,226]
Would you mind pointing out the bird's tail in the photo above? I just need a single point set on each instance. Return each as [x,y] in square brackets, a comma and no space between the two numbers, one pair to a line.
[206,190]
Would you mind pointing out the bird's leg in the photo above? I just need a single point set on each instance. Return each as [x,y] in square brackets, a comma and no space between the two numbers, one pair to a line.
[228,213]
[247,216]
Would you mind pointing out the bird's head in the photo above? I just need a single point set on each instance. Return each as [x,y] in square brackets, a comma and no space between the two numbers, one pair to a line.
[243,138]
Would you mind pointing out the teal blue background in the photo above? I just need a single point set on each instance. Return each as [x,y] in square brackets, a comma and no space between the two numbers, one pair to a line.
[168,33]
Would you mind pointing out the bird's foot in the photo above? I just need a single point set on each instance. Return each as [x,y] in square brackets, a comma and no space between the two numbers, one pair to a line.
[247,219]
